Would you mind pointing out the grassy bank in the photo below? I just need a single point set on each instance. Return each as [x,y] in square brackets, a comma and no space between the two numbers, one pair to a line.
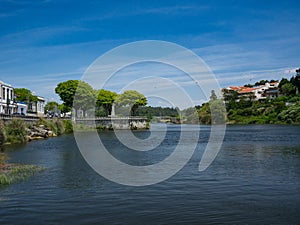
[17,131]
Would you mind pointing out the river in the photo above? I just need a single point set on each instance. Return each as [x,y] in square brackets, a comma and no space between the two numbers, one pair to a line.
[255,179]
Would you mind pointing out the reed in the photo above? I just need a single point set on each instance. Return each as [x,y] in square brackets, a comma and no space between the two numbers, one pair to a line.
[15,131]
[17,173]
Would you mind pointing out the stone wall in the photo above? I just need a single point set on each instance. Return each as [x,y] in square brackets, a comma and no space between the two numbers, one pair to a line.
[120,123]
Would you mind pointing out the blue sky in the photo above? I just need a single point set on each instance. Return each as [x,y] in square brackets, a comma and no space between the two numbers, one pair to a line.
[46,42]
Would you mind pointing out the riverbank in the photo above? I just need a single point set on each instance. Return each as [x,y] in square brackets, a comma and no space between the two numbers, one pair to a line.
[16,131]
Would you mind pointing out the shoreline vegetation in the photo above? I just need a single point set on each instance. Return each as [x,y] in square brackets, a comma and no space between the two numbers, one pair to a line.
[12,172]
[283,107]
[17,131]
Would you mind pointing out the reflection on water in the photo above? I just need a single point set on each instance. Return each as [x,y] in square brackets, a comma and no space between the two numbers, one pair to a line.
[254,179]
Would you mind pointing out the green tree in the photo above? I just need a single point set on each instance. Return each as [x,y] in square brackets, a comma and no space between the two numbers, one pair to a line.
[296,81]
[24,95]
[51,106]
[204,114]
[66,91]
[217,111]
[63,108]
[132,99]
[288,89]
[105,99]
[85,97]
[80,91]
[262,82]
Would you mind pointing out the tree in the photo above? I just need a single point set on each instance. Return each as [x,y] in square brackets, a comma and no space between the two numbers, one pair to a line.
[85,97]
[217,111]
[282,82]
[262,82]
[24,95]
[132,99]
[66,91]
[63,108]
[296,82]
[105,99]
[51,106]
[76,94]
[288,89]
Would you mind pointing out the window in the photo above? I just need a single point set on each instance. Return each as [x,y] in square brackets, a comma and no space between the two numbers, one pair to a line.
[3,92]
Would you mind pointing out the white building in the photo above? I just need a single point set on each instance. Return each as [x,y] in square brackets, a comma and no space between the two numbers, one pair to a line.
[7,103]
[258,92]
[36,108]
[22,108]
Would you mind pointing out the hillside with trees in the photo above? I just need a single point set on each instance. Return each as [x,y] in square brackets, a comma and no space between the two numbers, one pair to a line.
[241,109]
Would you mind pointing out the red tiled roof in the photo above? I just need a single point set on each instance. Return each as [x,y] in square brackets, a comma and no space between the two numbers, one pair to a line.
[247,90]
[234,88]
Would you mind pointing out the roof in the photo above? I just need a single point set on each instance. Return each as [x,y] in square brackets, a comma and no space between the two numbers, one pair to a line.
[235,88]
[247,90]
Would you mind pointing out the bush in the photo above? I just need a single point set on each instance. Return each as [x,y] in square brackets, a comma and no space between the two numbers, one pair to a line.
[15,131]
[68,125]
[2,133]
[54,125]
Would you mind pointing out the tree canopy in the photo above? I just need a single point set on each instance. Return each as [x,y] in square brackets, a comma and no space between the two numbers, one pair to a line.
[24,95]
[51,106]
[105,99]
[80,91]
[66,91]
[131,99]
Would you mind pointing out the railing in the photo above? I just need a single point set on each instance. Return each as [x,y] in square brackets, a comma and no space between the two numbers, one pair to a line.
[111,118]
[9,117]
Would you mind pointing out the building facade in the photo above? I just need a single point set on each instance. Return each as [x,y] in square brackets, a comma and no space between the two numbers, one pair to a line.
[22,108]
[7,99]
[36,108]
[257,92]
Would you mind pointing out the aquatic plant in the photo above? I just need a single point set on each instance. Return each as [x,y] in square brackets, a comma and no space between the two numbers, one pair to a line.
[15,173]
[2,158]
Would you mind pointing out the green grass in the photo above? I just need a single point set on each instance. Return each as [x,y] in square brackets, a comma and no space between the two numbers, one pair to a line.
[18,173]
[15,131]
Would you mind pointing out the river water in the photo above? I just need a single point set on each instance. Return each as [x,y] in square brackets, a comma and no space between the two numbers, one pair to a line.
[255,179]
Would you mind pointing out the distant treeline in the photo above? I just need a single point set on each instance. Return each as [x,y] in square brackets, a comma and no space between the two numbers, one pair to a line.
[150,111]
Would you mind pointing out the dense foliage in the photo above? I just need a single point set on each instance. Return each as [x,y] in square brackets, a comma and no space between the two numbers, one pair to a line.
[24,95]
[284,109]
[80,95]
[104,102]
[132,100]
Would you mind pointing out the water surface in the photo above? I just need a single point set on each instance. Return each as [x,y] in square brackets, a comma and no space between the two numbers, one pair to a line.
[255,179]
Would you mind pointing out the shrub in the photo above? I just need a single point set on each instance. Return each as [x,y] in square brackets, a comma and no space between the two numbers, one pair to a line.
[15,131]
[68,125]
[54,125]
[2,133]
